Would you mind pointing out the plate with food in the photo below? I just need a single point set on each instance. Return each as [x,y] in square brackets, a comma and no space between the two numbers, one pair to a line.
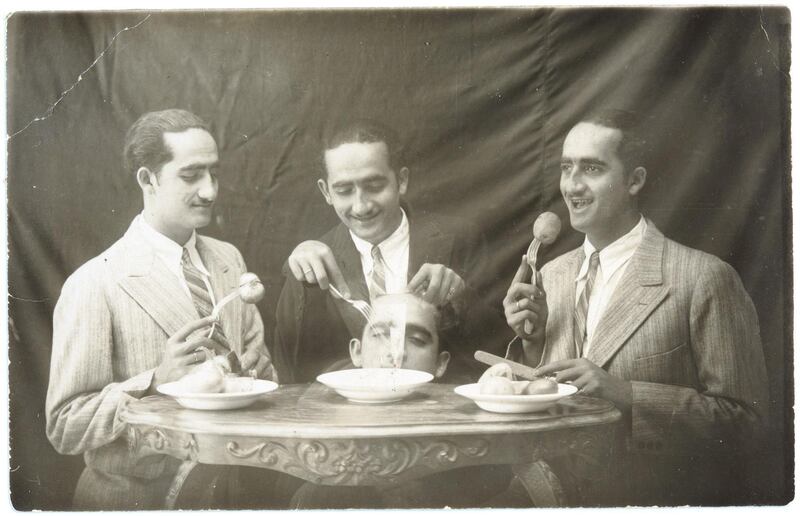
[375,385]
[212,386]
[497,391]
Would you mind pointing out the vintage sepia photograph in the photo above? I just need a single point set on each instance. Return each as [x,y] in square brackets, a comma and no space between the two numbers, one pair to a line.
[399,258]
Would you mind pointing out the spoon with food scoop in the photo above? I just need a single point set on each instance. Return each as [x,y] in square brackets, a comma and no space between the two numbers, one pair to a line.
[251,291]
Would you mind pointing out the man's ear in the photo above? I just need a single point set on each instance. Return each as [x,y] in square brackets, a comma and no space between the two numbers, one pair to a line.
[637,180]
[146,179]
[355,352]
[441,364]
[402,180]
[322,184]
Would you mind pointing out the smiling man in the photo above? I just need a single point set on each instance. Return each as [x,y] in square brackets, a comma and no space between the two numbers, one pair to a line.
[135,316]
[380,247]
[666,332]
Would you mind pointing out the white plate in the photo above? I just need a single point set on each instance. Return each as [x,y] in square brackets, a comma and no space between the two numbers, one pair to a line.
[514,403]
[217,400]
[376,385]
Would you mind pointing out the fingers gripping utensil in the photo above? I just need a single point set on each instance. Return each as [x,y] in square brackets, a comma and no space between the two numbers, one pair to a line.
[545,231]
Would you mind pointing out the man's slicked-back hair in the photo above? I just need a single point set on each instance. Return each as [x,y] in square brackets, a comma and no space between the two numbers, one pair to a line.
[365,130]
[144,141]
[632,147]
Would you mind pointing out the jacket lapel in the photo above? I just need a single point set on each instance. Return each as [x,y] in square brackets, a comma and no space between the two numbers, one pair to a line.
[349,262]
[564,279]
[148,281]
[639,292]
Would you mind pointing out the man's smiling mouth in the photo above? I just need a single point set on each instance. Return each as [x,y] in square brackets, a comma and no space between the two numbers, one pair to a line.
[363,220]
[580,203]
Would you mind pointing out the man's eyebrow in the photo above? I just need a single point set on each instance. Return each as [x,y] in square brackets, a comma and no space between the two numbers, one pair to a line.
[369,179]
[585,161]
[199,166]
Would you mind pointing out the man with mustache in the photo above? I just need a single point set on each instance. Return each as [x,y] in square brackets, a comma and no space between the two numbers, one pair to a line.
[666,332]
[380,247]
[135,316]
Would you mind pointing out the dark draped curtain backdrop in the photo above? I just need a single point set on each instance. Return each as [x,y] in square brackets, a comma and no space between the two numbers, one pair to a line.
[483,98]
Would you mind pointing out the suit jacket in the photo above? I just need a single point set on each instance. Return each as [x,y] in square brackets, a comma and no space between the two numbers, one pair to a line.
[682,329]
[313,329]
[110,325]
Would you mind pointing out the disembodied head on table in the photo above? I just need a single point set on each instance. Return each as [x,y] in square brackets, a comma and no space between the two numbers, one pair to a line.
[404,332]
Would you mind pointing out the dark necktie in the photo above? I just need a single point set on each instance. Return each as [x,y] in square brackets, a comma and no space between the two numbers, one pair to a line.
[378,277]
[582,308]
[200,296]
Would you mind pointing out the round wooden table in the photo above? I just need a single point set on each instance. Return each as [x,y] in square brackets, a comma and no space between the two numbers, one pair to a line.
[311,432]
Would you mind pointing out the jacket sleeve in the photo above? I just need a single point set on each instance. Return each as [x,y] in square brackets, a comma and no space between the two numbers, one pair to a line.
[83,400]
[731,403]
[288,321]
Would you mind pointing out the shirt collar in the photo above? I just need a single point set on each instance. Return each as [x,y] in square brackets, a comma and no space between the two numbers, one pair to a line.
[169,250]
[389,245]
[616,254]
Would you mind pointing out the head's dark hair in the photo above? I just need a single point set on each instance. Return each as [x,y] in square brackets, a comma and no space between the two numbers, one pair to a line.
[144,141]
[365,130]
[632,147]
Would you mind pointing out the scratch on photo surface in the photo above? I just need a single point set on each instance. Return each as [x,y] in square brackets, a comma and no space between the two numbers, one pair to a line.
[766,35]
[47,114]
[43,300]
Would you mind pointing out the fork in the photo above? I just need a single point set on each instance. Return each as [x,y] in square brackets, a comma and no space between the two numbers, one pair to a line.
[533,250]
[362,306]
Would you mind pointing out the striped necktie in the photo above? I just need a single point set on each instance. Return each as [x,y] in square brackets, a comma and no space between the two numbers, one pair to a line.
[200,296]
[378,276]
[582,308]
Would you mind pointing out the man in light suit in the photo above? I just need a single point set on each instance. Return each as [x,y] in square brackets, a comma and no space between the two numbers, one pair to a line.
[134,317]
[666,332]
[364,180]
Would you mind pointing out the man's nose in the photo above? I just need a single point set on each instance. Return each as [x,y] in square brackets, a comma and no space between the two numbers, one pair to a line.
[208,189]
[362,203]
[574,181]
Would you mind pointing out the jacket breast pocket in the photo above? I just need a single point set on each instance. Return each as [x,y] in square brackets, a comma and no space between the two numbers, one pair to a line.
[674,367]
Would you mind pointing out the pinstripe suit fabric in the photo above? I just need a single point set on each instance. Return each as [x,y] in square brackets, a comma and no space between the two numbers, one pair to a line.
[682,329]
[110,326]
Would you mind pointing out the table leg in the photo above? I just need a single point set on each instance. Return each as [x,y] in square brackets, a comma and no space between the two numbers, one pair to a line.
[541,483]
[184,469]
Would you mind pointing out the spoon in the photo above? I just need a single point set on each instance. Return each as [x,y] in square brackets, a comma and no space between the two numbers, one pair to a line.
[250,290]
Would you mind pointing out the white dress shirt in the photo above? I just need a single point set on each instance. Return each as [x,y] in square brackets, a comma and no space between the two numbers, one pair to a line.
[171,254]
[394,250]
[614,259]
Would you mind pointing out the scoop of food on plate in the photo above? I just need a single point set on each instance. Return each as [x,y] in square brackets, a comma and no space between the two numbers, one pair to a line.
[499,379]
[498,391]
[214,375]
